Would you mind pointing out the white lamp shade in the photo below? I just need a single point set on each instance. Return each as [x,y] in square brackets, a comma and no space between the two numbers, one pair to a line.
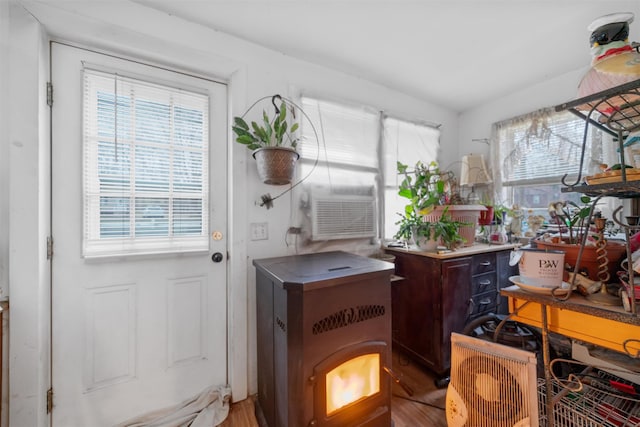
[474,170]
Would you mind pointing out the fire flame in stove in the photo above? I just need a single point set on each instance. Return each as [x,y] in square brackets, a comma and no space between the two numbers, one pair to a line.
[353,380]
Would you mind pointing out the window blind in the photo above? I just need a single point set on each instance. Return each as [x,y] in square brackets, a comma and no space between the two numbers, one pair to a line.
[145,163]
[348,148]
[405,142]
[545,146]
[532,153]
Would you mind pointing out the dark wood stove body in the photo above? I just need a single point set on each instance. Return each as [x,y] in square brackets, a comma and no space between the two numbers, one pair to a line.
[315,312]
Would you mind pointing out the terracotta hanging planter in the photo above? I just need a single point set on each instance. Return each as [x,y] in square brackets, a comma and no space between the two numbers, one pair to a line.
[276,165]
[272,142]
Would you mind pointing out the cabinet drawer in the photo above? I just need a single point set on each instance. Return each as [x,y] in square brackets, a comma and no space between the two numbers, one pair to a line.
[484,283]
[483,263]
[483,303]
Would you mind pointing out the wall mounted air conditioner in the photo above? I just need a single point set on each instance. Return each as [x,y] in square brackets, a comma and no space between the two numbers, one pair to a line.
[492,385]
[342,216]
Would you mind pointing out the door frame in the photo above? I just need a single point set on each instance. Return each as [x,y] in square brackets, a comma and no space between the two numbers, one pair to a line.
[29,199]
[236,321]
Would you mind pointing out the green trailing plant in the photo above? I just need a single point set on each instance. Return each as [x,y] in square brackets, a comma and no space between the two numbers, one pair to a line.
[424,186]
[445,229]
[271,132]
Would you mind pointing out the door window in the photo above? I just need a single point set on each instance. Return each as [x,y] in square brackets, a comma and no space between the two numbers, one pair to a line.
[145,167]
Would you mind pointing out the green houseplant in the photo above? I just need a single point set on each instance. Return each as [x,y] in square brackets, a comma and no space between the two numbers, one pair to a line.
[429,234]
[430,193]
[573,229]
[424,187]
[272,142]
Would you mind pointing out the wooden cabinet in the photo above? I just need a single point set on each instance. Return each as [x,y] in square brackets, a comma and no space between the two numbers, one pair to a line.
[440,293]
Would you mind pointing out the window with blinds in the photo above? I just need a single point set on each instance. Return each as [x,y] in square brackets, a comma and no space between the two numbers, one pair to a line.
[348,150]
[533,152]
[404,142]
[145,167]
[357,154]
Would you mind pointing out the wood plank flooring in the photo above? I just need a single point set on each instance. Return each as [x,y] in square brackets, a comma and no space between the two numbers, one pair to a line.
[426,406]
[424,409]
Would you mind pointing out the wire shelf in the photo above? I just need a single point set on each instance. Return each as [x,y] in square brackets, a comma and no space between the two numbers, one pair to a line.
[618,109]
[596,405]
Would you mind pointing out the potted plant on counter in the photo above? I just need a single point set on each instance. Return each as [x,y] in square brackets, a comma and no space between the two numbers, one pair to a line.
[272,142]
[430,194]
[428,235]
[571,220]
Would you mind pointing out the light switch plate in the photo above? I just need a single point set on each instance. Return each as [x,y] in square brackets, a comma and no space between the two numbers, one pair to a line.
[259,231]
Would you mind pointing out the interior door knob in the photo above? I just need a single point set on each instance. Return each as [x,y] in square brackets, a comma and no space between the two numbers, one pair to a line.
[217,257]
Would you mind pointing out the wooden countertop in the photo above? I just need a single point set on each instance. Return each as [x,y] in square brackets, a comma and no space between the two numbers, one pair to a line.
[476,248]
[576,303]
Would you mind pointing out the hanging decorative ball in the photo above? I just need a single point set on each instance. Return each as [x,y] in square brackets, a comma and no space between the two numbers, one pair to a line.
[614,60]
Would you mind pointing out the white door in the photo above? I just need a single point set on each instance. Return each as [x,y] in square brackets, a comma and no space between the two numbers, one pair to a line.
[139,324]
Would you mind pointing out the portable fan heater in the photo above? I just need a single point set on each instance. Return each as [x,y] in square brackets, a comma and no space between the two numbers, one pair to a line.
[492,385]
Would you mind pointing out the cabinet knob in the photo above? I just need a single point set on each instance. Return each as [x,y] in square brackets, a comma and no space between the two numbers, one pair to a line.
[485,263]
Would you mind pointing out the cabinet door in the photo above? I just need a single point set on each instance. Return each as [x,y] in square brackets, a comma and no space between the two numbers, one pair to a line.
[504,272]
[412,305]
[456,295]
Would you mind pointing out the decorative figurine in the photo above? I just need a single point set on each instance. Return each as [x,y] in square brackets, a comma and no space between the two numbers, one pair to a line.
[614,60]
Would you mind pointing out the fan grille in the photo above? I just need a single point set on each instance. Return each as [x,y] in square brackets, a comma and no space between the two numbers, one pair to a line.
[497,383]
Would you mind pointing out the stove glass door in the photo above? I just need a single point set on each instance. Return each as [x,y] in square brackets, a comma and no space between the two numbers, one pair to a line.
[351,381]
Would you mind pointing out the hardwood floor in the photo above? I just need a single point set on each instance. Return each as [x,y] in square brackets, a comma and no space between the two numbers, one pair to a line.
[426,406]
[424,409]
[241,414]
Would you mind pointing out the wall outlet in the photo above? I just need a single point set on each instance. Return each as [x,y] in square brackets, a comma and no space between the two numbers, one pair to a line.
[259,230]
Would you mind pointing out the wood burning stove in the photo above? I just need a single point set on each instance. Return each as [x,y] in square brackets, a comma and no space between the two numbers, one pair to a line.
[323,341]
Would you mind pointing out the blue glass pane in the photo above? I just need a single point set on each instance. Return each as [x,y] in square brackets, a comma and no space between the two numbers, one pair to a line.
[114,166]
[152,169]
[106,116]
[188,127]
[152,122]
[114,217]
[187,217]
[187,171]
[152,217]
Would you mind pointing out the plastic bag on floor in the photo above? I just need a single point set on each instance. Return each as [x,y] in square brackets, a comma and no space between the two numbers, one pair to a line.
[209,408]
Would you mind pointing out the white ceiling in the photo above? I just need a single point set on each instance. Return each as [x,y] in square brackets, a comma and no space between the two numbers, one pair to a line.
[458,54]
[454,53]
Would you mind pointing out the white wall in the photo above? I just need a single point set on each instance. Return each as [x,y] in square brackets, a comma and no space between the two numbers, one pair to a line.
[131,30]
[4,148]
[476,123]
[4,194]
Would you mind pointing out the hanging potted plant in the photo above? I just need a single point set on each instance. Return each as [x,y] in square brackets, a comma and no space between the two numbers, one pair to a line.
[272,142]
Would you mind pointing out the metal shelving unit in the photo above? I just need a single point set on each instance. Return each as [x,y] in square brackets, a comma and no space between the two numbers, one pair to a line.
[592,405]
[616,111]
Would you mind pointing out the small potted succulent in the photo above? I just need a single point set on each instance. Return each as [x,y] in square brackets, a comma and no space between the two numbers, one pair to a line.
[272,142]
